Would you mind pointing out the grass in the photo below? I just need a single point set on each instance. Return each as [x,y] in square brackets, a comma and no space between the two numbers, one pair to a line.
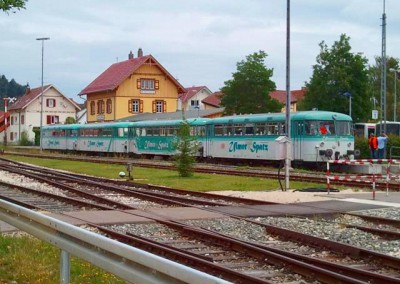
[198,182]
[24,259]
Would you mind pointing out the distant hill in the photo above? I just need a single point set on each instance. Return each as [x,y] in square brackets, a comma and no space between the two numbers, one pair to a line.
[9,89]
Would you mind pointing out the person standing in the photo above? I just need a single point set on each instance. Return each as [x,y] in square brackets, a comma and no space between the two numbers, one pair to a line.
[382,141]
[373,145]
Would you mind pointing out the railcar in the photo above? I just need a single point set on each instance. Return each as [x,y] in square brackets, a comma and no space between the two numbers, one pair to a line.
[392,127]
[316,136]
[60,136]
[362,129]
[159,137]
[111,137]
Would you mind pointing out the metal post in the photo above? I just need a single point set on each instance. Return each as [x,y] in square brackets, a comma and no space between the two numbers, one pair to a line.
[41,94]
[5,120]
[383,71]
[64,267]
[395,72]
[288,98]
[350,106]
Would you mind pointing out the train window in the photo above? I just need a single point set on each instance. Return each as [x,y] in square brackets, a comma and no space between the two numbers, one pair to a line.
[260,129]
[156,131]
[272,128]
[249,130]
[343,128]
[311,127]
[218,130]
[282,129]
[238,129]
[121,132]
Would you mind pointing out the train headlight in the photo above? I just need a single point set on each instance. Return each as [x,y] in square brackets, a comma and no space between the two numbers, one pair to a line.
[322,144]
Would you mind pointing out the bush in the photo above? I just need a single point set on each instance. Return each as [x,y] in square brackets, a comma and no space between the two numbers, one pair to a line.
[24,141]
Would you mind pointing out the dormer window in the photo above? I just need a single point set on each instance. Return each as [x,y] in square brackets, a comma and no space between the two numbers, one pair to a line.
[51,102]
[147,86]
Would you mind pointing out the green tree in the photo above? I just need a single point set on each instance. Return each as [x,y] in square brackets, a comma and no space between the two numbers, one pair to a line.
[375,75]
[247,91]
[70,120]
[339,71]
[185,159]
[12,5]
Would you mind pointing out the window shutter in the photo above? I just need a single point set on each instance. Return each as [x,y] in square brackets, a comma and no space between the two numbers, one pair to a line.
[140,106]
[138,84]
[156,84]
[130,106]
[154,107]
[48,119]
[164,106]
[54,102]
[47,102]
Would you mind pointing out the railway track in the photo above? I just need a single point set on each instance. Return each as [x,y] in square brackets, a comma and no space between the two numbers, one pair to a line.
[318,178]
[276,255]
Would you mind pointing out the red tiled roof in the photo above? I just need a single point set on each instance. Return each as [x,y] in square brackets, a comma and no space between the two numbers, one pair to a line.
[297,95]
[190,92]
[214,99]
[114,75]
[26,99]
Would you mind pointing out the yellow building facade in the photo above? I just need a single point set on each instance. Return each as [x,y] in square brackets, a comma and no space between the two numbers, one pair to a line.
[137,85]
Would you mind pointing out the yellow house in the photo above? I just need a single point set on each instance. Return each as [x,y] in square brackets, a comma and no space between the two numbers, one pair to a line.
[137,85]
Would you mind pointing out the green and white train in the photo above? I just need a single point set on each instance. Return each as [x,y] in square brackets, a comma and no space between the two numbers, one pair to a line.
[315,136]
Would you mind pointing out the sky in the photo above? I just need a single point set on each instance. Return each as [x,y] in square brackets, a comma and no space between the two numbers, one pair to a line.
[198,41]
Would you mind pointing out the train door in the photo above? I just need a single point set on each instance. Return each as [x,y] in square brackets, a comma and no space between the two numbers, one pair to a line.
[298,140]
[208,140]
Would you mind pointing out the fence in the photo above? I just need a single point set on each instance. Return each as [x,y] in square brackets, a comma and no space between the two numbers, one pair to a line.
[369,178]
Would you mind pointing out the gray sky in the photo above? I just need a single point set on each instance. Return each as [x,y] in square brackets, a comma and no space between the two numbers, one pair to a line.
[198,42]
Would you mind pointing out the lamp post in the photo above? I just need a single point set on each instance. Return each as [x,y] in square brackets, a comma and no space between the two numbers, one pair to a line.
[348,95]
[42,39]
[396,75]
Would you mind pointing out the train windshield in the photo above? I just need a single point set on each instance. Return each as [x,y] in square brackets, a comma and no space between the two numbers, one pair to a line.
[327,127]
[343,128]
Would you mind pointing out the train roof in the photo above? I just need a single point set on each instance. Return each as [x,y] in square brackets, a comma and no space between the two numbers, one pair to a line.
[191,121]
[61,126]
[262,117]
[107,125]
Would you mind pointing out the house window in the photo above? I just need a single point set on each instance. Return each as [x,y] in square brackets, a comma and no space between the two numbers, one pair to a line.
[135,106]
[100,107]
[194,103]
[22,119]
[147,86]
[109,105]
[92,108]
[51,102]
[53,119]
[159,106]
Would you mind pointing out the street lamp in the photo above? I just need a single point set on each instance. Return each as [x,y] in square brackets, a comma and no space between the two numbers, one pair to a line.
[396,75]
[348,95]
[41,94]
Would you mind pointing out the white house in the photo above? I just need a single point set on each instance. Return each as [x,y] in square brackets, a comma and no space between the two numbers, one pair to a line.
[25,113]
[193,97]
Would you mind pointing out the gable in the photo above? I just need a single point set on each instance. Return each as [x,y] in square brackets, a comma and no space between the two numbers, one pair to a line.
[117,73]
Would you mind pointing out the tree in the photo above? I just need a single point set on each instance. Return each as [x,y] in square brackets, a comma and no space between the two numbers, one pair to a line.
[12,5]
[185,158]
[247,91]
[339,72]
[375,75]
[70,120]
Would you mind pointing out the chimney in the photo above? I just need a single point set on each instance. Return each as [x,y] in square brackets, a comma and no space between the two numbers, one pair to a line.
[140,52]
[28,89]
[130,56]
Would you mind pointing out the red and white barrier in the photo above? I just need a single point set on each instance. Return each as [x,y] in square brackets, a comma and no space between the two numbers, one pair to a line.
[363,178]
